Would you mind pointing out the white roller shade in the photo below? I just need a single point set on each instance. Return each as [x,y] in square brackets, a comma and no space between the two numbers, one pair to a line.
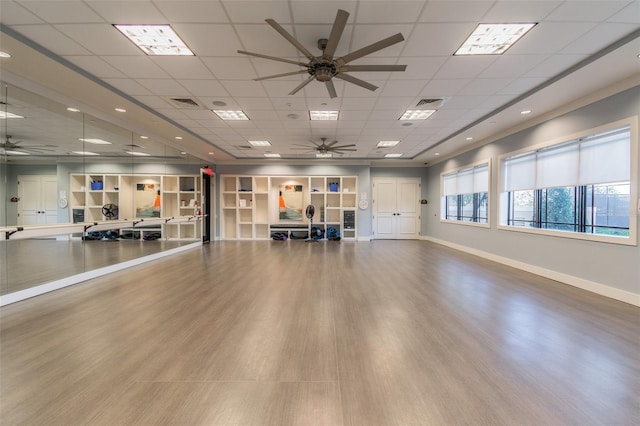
[466,181]
[557,167]
[520,173]
[605,160]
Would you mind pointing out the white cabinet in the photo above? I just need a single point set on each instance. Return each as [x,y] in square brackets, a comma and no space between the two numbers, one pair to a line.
[250,204]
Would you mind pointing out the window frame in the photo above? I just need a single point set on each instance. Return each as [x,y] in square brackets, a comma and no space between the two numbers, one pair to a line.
[503,197]
[443,203]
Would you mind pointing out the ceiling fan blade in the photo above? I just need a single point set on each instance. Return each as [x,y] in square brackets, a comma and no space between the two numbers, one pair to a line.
[330,144]
[336,32]
[347,68]
[301,85]
[290,38]
[331,89]
[356,81]
[339,151]
[273,58]
[379,45]
[343,146]
[280,75]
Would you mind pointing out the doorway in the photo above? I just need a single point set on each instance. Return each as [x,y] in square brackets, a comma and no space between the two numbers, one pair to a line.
[396,208]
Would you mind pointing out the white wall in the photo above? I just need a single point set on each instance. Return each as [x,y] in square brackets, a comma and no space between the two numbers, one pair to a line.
[616,268]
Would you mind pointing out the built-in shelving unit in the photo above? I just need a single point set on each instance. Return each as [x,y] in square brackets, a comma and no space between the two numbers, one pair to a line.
[180,195]
[249,204]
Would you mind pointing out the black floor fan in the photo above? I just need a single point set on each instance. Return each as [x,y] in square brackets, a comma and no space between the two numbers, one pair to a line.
[309,212]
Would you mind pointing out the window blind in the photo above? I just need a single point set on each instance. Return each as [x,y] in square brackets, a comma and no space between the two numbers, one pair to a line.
[600,158]
[466,181]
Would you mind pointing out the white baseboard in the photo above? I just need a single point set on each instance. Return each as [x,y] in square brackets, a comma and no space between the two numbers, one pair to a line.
[594,287]
[365,239]
[75,279]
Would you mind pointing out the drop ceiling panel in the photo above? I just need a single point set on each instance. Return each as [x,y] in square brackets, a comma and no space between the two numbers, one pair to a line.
[204,88]
[14,14]
[52,39]
[630,14]
[521,85]
[209,39]
[163,87]
[444,87]
[321,12]
[598,38]
[101,39]
[193,11]
[257,11]
[251,104]
[127,12]
[461,67]
[437,39]
[62,11]
[520,11]
[484,86]
[309,35]
[231,68]
[129,86]
[389,12]
[418,68]
[455,11]
[550,37]
[586,10]
[137,66]
[357,104]
[184,67]
[96,66]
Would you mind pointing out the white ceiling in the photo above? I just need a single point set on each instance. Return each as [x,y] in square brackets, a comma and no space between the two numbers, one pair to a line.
[557,63]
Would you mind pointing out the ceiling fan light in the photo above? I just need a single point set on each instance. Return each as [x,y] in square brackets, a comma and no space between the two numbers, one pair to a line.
[323,155]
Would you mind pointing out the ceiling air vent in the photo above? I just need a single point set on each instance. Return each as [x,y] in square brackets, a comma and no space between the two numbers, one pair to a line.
[244,147]
[185,103]
[430,103]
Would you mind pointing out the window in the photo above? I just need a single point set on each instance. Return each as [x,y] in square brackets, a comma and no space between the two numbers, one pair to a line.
[465,194]
[579,186]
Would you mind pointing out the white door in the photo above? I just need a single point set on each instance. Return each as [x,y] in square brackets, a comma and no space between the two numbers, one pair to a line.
[396,208]
[38,197]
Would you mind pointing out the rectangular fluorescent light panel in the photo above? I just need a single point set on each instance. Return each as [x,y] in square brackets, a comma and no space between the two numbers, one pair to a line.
[84,153]
[155,39]
[323,115]
[10,152]
[260,143]
[393,155]
[387,144]
[493,39]
[6,114]
[230,115]
[95,141]
[323,155]
[417,114]
[272,155]
[137,153]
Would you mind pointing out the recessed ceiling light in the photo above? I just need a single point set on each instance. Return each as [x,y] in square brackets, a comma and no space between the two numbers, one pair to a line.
[137,153]
[9,152]
[183,152]
[84,153]
[71,109]
[417,114]
[6,114]
[526,111]
[230,115]
[260,143]
[323,115]
[436,153]
[272,155]
[144,137]
[155,39]
[179,138]
[120,109]
[393,155]
[4,54]
[95,141]
[387,144]
[493,39]
[323,155]
[211,153]
[469,138]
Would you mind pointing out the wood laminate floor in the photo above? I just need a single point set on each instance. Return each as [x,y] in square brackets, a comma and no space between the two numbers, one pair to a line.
[290,333]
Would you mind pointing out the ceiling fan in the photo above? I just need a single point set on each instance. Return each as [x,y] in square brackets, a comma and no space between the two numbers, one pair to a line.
[15,148]
[326,148]
[324,67]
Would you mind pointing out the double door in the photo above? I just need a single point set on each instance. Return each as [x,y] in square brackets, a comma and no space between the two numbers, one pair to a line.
[396,208]
[38,200]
